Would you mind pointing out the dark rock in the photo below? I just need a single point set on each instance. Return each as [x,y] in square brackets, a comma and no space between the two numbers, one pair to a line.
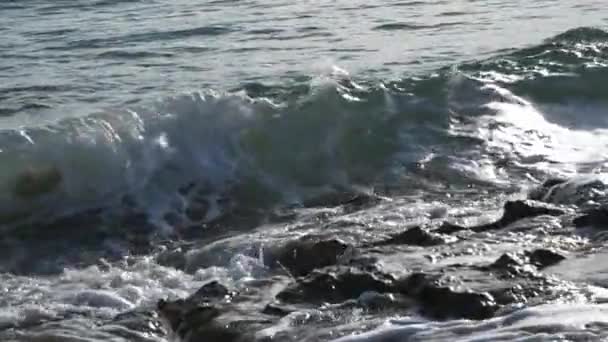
[450,228]
[384,301]
[278,309]
[596,218]
[302,256]
[213,290]
[207,315]
[513,294]
[414,236]
[513,212]
[553,181]
[334,286]
[507,262]
[509,265]
[517,210]
[542,258]
[183,316]
[442,302]
[171,312]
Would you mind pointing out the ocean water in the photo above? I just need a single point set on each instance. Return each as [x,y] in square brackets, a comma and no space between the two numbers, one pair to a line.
[119,108]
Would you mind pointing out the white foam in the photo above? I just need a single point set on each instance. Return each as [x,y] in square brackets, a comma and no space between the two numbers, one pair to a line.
[521,128]
[99,299]
[551,322]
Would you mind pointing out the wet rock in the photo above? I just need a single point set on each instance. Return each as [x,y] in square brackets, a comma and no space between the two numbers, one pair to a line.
[507,262]
[513,294]
[414,236]
[183,317]
[450,228]
[542,258]
[302,256]
[510,265]
[516,263]
[207,315]
[334,286]
[595,218]
[441,301]
[384,301]
[513,212]
[444,302]
[213,290]
[517,210]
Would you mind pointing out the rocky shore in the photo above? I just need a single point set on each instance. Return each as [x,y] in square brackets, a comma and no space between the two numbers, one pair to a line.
[322,274]
[322,280]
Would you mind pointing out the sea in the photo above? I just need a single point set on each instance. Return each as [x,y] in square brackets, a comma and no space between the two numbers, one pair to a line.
[129,128]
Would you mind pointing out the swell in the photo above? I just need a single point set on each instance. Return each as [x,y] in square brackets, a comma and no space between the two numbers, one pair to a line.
[413,27]
[144,37]
[496,123]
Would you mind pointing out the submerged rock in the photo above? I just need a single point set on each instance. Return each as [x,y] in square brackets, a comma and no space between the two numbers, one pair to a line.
[304,255]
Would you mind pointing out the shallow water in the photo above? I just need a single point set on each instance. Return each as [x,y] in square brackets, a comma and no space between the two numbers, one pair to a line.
[129,128]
